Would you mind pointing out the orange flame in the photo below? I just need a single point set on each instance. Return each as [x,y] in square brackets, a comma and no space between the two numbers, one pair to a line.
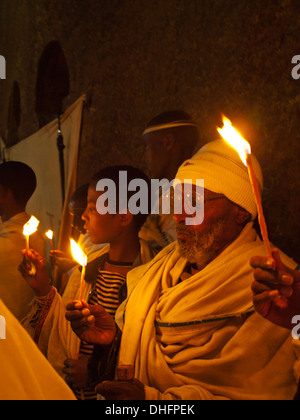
[31,226]
[49,234]
[233,137]
[78,254]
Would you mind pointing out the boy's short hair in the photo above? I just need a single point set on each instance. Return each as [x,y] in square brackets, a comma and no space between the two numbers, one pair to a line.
[78,200]
[113,173]
[20,179]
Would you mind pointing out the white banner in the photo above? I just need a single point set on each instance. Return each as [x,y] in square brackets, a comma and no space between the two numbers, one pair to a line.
[40,152]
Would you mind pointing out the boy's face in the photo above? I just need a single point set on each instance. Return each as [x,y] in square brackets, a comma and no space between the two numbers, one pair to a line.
[101,228]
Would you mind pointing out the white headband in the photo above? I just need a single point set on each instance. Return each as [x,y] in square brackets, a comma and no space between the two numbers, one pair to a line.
[168,125]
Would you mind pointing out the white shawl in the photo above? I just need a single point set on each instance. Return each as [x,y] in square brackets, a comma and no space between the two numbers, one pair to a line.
[25,372]
[199,338]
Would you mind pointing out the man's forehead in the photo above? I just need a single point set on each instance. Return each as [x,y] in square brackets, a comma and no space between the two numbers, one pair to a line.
[154,137]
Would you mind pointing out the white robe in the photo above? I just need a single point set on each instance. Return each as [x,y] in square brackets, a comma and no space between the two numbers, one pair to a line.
[25,372]
[200,338]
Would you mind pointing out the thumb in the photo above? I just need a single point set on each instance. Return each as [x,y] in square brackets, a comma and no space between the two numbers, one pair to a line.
[277,259]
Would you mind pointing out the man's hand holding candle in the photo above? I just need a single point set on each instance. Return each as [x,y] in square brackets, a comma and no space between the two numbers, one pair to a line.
[272,281]
[39,282]
[91,323]
[125,388]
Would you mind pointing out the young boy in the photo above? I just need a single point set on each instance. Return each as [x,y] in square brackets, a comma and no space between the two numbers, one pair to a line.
[105,279]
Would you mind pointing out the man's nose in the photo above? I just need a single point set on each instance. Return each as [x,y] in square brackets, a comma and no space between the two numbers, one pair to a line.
[179,218]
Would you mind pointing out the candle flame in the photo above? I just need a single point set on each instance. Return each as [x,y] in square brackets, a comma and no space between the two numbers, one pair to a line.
[31,226]
[78,254]
[233,137]
[49,234]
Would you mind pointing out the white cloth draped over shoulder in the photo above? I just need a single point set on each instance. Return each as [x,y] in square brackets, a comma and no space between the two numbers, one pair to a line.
[25,372]
[200,338]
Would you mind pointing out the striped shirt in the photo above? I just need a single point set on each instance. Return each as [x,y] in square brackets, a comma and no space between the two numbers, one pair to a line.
[105,292]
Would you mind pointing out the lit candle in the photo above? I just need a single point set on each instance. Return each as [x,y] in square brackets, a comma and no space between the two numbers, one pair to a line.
[49,235]
[232,136]
[81,258]
[29,228]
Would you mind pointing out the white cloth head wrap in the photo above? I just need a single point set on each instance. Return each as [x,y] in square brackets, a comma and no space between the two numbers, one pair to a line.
[224,173]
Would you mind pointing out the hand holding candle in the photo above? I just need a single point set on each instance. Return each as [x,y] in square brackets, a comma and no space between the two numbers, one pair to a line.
[81,258]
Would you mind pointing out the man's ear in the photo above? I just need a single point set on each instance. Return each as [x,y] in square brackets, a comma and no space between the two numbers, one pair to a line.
[168,141]
[242,216]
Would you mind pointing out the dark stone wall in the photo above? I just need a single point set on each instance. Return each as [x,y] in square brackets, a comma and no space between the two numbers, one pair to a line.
[137,58]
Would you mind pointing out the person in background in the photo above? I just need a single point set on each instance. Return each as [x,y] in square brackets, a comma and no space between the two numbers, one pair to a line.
[170,138]
[17,185]
[105,281]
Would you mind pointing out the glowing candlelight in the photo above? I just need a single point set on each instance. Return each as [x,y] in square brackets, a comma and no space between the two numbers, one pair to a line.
[29,228]
[49,235]
[81,258]
[233,137]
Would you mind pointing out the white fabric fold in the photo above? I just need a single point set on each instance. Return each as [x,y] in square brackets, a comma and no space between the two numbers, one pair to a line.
[199,338]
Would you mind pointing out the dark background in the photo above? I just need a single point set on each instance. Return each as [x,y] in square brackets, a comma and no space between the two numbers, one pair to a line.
[137,58]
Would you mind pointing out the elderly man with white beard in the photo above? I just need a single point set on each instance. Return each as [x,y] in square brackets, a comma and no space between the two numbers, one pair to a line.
[189,328]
